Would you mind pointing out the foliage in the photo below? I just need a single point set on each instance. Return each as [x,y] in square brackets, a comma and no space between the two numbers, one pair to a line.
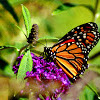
[27,63]
[9,8]
[27,19]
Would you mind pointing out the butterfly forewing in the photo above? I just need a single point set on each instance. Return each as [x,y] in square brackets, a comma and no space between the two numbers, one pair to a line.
[87,34]
[79,29]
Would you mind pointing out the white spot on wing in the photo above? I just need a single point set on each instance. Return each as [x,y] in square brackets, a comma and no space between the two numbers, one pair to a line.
[78,37]
[78,27]
[72,30]
[91,24]
[68,44]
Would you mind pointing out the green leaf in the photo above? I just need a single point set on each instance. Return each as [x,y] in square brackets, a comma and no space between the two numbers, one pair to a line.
[25,65]
[9,8]
[27,19]
[41,97]
[8,71]
[7,47]
[17,2]
[37,51]
[1,47]
[48,38]
[62,7]
[87,94]
[67,6]
[20,29]
[89,7]
[23,99]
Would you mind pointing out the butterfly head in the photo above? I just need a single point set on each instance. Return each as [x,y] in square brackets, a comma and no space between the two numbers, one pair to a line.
[48,53]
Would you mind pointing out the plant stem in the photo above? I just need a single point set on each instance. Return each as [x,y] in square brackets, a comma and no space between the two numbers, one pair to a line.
[23,48]
[95,10]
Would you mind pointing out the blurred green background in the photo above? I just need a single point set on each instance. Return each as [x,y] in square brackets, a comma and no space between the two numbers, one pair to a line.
[55,18]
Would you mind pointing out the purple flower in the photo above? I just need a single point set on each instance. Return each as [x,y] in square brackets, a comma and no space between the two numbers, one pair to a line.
[45,79]
[16,66]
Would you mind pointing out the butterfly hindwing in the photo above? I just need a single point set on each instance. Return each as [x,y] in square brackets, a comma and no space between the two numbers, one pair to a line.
[70,57]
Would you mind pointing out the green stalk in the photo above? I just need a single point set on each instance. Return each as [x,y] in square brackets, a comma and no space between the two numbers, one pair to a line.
[95,10]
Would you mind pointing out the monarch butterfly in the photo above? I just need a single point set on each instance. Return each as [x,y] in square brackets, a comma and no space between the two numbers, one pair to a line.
[71,51]
[33,36]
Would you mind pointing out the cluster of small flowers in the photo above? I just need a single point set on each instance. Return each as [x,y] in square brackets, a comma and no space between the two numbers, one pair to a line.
[45,73]
[16,65]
